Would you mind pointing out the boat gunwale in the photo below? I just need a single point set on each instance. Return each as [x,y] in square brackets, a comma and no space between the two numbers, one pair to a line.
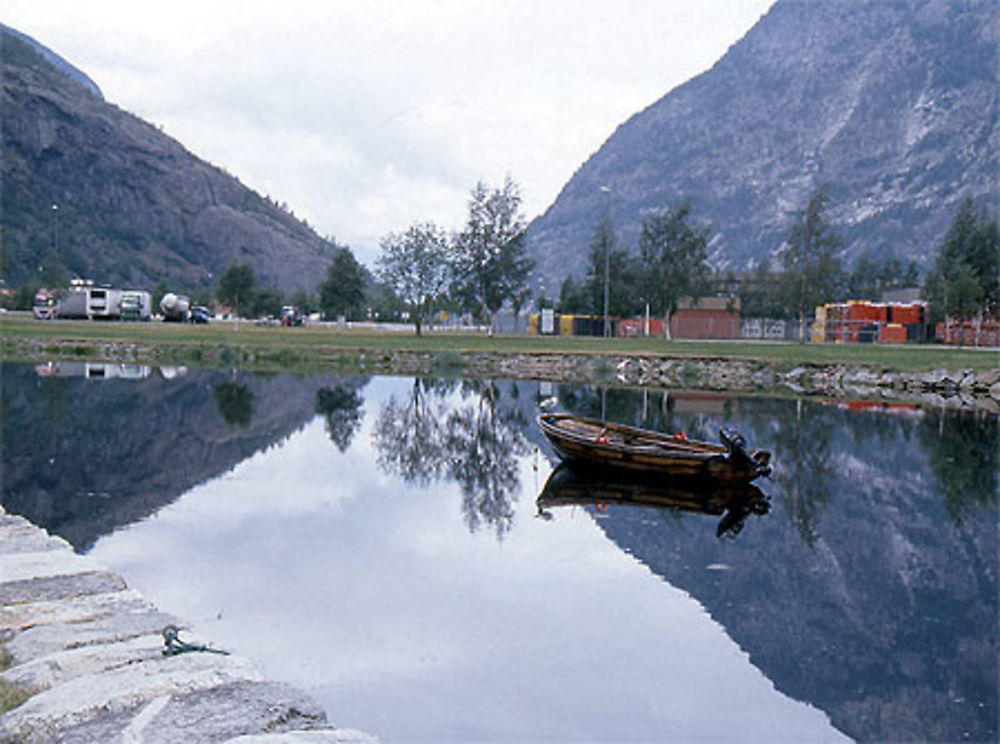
[659,444]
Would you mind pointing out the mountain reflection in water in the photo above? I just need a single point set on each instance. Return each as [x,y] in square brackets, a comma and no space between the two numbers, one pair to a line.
[868,590]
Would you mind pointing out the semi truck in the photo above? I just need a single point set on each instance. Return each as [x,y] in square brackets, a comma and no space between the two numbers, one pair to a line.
[176,308]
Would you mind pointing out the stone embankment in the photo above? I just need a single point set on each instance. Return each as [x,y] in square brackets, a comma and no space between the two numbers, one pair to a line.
[971,389]
[956,389]
[81,660]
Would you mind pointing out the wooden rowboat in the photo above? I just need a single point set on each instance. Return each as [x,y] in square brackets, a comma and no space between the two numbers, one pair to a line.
[585,441]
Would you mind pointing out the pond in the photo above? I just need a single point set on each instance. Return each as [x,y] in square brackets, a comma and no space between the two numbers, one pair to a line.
[381,543]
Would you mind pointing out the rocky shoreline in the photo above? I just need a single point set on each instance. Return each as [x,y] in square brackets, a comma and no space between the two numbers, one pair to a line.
[82,660]
[968,388]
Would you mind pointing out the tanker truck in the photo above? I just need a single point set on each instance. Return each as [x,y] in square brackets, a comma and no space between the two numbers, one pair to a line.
[175,308]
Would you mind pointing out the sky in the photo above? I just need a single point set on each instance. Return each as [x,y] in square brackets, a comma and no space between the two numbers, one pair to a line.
[365,117]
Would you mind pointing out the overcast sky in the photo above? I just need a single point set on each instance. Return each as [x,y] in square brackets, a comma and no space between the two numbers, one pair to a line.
[367,116]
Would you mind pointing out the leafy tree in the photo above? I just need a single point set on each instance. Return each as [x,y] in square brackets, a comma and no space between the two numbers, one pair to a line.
[237,288]
[303,301]
[415,265]
[966,275]
[4,257]
[488,256]
[871,277]
[24,297]
[159,289]
[621,275]
[674,257]
[268,302]
[342,292]
[760,296]
[54,273]
[573,297]
[383,302]
[812,273]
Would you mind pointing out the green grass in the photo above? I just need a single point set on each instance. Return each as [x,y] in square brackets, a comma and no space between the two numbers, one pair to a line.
[225,343]
[11,695]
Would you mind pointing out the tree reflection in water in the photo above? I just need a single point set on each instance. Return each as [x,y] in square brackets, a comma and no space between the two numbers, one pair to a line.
[341,407]
[408,433]
[806,473]
[964,454]
[235,403]
[475,441]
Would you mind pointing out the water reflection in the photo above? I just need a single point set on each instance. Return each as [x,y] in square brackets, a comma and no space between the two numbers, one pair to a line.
[964,451]
[868,591]
[884,588]
[463,432]
[341,407]
[569,486]
[84,454]
[235,402]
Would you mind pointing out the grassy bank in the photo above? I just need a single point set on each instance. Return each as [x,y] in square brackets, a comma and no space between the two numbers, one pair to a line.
[313,347]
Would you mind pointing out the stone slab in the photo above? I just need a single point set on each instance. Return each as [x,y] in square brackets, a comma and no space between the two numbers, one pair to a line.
[91,651]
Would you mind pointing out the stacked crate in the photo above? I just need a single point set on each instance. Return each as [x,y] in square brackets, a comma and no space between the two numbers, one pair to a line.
[862,321]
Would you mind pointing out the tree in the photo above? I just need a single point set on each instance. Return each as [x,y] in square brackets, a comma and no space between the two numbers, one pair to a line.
[674,259]
[759,294]
[303,301]
[966,275]
[415,265]
[572,297]
[342,292]
[54,273]
[268,302]
[237,288]
[871,277]
[620,275]
[488,256]
[812,273]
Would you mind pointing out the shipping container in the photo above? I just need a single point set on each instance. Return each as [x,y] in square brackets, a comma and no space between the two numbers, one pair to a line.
[892,333]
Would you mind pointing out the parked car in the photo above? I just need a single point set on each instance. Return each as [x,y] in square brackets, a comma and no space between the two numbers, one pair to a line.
[200,314]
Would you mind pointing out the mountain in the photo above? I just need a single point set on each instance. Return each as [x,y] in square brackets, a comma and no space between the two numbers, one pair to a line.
[889,106]
[134,207]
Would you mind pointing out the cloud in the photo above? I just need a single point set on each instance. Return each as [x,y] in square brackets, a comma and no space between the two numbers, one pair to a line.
[364,117]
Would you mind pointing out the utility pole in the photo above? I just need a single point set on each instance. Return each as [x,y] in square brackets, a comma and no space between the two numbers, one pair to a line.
[607,255]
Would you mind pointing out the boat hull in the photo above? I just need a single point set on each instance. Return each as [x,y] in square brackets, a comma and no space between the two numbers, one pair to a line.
[595,444]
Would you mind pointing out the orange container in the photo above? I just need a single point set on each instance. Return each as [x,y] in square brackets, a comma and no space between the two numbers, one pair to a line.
[892,333]
[906,314]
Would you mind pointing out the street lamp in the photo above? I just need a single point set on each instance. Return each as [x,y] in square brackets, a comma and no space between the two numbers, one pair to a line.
[55,232]
[607,254]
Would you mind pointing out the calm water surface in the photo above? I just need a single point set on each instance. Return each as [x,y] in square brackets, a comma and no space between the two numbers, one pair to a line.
[380,543]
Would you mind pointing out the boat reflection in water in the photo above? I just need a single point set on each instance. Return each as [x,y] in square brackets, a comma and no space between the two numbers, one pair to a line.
[576,486]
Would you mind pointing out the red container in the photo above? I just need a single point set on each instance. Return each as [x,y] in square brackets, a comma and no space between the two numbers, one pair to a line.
[892,333]
[906,314]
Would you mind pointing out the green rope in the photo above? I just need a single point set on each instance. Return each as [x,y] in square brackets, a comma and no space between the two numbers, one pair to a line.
[173,645]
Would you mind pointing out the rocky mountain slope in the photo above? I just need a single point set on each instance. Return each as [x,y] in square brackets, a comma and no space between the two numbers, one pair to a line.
[134,207]
[890,106]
